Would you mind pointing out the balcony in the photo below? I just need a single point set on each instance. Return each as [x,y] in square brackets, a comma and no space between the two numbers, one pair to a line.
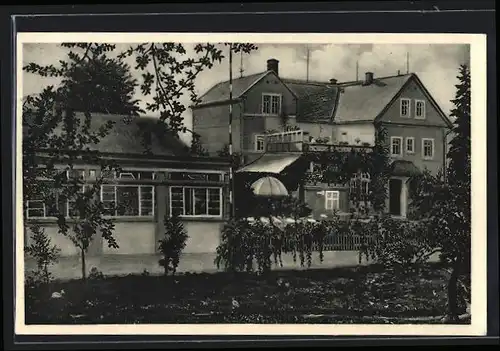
[299,141]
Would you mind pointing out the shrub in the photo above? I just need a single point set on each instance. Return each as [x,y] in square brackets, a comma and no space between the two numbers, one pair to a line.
[397,243]
[44,253]
[244,244]
[172,244]
[95,273]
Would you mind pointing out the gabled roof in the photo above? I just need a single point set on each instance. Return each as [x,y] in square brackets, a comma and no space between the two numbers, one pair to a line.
[358,102]
[346,102]
[127,135]
[220,91]
[316,101]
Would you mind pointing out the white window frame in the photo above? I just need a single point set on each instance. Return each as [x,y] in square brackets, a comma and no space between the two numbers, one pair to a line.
[256,144]
[183,215]
[401,107]
[401,145]
[422,116]
[139,191]
[44,209]
[332,200]
[271,95]
[423,148]
[412,151]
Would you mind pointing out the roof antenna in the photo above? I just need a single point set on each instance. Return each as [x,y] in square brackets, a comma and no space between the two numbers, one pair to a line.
[307,62]
[241,64]
[407,62]
[357,70]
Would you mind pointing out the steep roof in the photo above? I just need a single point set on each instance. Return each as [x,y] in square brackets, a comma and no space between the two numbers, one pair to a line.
[320,101]
[358,102]
[128,133]
[220,91]
[316,101]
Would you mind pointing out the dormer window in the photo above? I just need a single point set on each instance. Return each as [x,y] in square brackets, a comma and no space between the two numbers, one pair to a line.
[271,104]
[405,108]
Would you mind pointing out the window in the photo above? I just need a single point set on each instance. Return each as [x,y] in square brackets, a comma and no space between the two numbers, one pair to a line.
[271,104]
[396,146]
[360,184]
[410,145]
[72,209]
[131,174]
[420,109]
[92,173]
[196,201]
[332,200]
[128,200]
[207,177]
[259,143]
[45,204]
[405,107]
[75,174]
[428,148]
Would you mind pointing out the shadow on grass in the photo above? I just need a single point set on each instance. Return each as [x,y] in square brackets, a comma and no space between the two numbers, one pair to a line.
[363,294]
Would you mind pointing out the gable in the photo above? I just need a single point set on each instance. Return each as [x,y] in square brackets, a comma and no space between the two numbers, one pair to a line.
[414,91]
[270,84]
[358,102]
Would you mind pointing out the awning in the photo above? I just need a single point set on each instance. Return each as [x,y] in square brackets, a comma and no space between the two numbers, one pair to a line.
[270,164]
[404,168]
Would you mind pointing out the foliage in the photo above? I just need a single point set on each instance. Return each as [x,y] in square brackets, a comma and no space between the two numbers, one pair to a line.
[397,243]
[236,159]
[44,253]
[444,203]
[169,71]
[326,295]
[172,244]
[197,146]
[339,166]
[248,246]
[95,274]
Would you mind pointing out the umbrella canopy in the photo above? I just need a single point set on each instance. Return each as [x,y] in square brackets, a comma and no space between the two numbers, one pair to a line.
[269,186]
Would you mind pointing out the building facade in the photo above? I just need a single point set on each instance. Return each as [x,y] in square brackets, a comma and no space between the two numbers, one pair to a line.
[270,109]
[166,181]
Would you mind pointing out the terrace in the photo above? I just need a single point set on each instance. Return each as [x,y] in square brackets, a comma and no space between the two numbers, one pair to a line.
[300,141]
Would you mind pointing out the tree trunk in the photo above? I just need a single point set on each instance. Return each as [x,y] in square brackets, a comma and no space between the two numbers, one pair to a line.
[84,268]
[453,294]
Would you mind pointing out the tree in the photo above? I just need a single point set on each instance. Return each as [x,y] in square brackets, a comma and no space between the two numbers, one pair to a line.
[197,148]
[167,75]
[172,244]
[59,130]
[445,206]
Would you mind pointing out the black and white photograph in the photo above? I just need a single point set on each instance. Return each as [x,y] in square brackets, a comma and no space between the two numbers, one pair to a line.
[208,181]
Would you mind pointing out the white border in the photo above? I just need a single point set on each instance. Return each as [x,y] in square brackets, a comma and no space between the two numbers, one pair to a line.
[479,213]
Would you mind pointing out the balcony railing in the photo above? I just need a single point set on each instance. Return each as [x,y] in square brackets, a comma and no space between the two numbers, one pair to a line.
[298,141]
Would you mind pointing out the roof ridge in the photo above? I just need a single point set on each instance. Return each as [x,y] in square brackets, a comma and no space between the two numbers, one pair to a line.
[359,81]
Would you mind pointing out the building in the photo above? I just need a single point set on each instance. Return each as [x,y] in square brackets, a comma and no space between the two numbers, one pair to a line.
[271,110]
[165,181]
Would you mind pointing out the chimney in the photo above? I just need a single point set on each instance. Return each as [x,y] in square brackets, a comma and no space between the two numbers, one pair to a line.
[333,81]
[272,65]
[368,78]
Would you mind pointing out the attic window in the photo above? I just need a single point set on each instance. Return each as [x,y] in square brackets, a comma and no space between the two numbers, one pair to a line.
[271,104]
[405,108]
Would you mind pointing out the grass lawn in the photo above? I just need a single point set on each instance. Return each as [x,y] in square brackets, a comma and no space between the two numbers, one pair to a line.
[365,294]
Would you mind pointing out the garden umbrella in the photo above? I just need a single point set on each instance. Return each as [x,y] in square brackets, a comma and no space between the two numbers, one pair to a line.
[269,187]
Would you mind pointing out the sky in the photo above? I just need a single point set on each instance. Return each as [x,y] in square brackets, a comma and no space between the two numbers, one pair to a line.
[435,64]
